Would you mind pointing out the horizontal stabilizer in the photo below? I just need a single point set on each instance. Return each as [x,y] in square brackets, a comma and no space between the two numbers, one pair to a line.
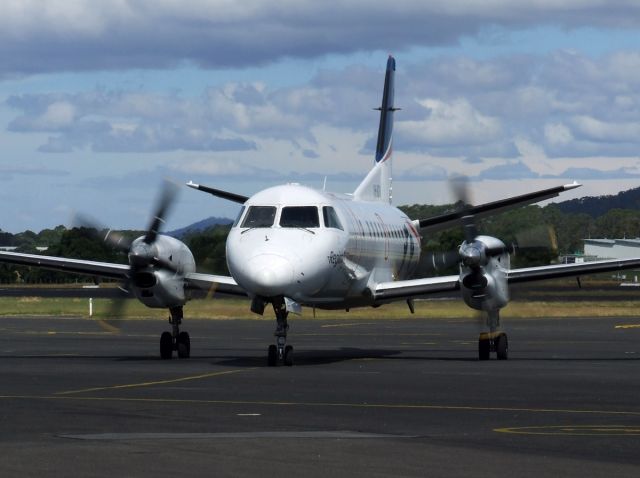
[220,193]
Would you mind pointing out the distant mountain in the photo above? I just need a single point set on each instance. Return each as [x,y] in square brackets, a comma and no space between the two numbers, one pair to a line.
[200,226]
[596,206]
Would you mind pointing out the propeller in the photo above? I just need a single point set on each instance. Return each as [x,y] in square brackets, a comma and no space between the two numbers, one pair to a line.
[474,254]
[142,253]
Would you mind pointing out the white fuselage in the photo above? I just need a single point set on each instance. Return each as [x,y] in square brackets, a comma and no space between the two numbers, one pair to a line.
[319,249]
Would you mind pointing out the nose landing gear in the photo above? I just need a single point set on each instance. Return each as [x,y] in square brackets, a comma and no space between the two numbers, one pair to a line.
[280,351]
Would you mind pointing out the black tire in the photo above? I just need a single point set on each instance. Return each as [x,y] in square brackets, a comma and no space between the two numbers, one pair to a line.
[184,345]
[502,347]
[288,355]
[166,346]
[484,349]
[272,356]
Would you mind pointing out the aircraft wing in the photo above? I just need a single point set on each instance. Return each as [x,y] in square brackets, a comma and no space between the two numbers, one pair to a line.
[528,274]
[77,266]
[214,283]
[445,221]
[407,289]
[219,193]
[206,282]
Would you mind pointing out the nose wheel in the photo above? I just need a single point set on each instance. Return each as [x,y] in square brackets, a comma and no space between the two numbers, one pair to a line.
[280,352]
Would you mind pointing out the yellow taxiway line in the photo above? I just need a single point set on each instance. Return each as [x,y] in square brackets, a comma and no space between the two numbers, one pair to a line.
[574,430]
[388,406]
[156,382]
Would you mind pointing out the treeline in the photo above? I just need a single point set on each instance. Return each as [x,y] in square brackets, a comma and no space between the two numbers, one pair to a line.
[596,206]
[208,248]
[539,235]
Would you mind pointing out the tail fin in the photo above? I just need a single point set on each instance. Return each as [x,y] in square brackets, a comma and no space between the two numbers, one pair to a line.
[377,185]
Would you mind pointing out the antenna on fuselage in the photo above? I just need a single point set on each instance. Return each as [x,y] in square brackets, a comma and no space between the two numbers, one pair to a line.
[324,184]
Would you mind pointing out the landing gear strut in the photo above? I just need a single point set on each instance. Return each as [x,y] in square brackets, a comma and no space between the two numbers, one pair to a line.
[280,351]
[175,340]
[494,340]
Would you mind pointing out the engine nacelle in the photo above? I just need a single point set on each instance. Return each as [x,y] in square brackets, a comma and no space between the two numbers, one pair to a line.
[483,277]
[157,287]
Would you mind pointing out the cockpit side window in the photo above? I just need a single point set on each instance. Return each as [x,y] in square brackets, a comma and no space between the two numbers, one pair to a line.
[331,218]
[299,216]
[238,217]
[259,216]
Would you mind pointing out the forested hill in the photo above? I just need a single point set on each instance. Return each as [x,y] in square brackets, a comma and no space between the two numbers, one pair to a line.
[596,206]
[200,226]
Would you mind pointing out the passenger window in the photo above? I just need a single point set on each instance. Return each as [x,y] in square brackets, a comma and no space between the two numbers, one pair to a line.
[331,218]
[299,216]
[238,217]
[259,216]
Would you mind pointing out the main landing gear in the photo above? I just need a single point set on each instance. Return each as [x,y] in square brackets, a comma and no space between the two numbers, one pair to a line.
[494,340]
[175,340]
[280,351]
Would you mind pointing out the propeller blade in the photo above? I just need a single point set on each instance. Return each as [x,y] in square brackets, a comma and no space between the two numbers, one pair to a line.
[539,237]
[117,240]
[113,320]
[438,261]
[460,188]
[469,228]
[100,232]
[167,197]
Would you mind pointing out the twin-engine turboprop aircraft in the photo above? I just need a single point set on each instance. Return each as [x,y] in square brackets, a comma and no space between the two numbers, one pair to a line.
[294,246]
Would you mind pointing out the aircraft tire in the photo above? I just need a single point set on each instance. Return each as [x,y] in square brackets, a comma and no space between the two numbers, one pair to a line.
[288,355]
[166,346]
[502,347]
[184,345]
[484,349]
[272,356]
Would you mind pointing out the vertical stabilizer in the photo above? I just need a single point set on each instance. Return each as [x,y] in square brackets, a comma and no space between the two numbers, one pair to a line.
[377,185]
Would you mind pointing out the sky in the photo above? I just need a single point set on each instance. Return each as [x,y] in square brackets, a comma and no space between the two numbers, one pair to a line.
[102,101]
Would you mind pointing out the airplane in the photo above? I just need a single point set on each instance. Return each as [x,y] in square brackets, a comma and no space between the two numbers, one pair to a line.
[293,246]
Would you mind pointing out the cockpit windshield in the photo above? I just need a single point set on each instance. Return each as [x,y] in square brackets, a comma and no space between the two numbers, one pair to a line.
[259,216]
[331,218]
[299,216]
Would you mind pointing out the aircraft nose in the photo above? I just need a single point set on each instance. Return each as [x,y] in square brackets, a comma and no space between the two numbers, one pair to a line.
[270,274]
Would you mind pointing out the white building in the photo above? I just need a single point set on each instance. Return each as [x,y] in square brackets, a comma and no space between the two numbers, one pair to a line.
[612,248]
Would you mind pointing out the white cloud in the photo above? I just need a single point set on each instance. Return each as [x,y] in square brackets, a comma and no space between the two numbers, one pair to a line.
[58,115]
[451,123]
[77,35]
[594,129]
[557,134]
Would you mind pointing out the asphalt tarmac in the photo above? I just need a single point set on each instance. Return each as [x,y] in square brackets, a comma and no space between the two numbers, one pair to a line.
[364,398]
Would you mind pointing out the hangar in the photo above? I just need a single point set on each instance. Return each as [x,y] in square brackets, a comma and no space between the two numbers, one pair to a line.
[612,248]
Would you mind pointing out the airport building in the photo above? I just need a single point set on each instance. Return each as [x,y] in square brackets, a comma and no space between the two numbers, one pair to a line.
[612,248]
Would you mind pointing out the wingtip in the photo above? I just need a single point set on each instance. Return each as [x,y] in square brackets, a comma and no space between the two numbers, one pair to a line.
[573,185]
[193,185]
